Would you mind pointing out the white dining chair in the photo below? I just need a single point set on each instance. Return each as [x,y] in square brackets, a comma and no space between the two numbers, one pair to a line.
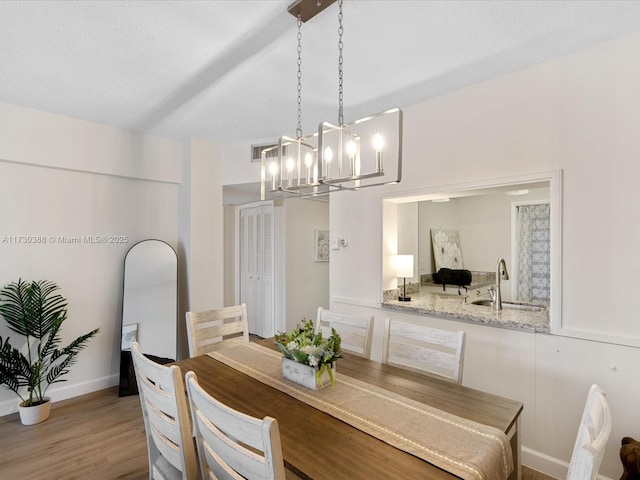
[355,331]
[231,444]
[591,440]
[422,349]
[211,330]
[166,419]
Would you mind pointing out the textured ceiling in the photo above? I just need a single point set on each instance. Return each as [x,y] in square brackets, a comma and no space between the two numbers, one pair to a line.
[226,70]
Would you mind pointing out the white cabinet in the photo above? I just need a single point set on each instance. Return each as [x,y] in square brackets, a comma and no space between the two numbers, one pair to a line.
[256,267]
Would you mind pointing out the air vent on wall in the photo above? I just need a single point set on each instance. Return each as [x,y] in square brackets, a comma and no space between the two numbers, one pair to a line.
[256,151]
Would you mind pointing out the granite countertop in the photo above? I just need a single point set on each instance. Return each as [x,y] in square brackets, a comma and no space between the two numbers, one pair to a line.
[452,306]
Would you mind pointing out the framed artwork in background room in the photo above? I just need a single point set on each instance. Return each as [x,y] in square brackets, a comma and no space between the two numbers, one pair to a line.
[321,245]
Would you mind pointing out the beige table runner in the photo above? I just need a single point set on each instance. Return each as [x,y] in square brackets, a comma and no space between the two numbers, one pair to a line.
[467,449]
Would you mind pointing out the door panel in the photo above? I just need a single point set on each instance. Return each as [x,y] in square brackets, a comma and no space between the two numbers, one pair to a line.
[256,268]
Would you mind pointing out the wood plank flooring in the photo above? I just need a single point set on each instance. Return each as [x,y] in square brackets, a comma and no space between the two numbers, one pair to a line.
[98,436]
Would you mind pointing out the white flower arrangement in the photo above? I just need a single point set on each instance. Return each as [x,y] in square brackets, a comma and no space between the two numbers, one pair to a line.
[304,346]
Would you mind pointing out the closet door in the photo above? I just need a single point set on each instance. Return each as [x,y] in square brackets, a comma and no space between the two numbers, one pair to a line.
[256,268]
[250,244]
[268,292]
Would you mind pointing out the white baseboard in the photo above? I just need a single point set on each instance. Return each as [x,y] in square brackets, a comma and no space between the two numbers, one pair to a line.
[544,463]
[63,392]
[547,465]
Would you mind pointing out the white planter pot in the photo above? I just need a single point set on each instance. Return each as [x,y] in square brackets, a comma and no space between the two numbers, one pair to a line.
[36,413]
[305,375]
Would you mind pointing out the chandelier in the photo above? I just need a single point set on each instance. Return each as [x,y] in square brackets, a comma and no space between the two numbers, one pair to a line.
[346,156]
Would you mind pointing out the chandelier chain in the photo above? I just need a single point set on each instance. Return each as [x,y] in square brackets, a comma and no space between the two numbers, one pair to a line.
[299,127]
[340,61]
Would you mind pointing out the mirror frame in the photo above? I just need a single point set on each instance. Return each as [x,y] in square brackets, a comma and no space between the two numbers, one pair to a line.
[390,230]
[127,382]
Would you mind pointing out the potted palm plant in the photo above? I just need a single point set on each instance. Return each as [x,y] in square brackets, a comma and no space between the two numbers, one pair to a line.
[34,311]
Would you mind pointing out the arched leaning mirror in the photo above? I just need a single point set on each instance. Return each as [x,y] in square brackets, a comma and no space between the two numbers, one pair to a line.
[149,307]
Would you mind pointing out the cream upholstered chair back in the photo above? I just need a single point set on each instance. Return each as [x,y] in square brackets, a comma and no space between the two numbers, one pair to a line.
[423,349]
[355,331]
[592,437]
[232,445]
[214,329]
[166,419]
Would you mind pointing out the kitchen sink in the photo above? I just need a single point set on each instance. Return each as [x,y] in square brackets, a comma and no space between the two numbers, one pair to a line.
[513,306]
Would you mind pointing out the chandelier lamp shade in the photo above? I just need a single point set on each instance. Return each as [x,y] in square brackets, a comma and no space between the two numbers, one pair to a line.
[343,156]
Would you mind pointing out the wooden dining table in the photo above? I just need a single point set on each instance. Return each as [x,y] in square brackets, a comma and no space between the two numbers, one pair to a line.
[317,446]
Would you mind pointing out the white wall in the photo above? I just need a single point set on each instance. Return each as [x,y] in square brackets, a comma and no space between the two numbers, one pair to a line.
[65,177]
[61,177]
[409,239]
[237,166]
[307,281]
[578,113]
[231,264]
[200,227]
[206,262]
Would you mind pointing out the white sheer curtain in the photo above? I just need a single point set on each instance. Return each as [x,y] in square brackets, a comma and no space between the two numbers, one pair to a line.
[533,237]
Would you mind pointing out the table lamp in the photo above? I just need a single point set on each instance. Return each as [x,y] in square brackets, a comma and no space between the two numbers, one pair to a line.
[404,269]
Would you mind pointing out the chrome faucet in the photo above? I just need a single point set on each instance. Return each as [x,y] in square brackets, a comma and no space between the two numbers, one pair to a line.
[501,274]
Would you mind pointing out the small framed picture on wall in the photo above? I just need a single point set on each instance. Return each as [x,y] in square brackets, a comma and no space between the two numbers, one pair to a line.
[321,245]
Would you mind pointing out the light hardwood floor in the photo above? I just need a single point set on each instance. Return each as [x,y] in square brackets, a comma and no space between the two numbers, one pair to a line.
[98,436]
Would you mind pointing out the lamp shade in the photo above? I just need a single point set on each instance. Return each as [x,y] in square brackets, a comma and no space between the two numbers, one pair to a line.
[404,266]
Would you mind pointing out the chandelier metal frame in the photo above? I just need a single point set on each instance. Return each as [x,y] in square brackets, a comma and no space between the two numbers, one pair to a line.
[305,164]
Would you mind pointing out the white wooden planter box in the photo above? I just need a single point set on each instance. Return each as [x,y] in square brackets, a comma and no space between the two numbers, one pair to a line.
[305,375]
